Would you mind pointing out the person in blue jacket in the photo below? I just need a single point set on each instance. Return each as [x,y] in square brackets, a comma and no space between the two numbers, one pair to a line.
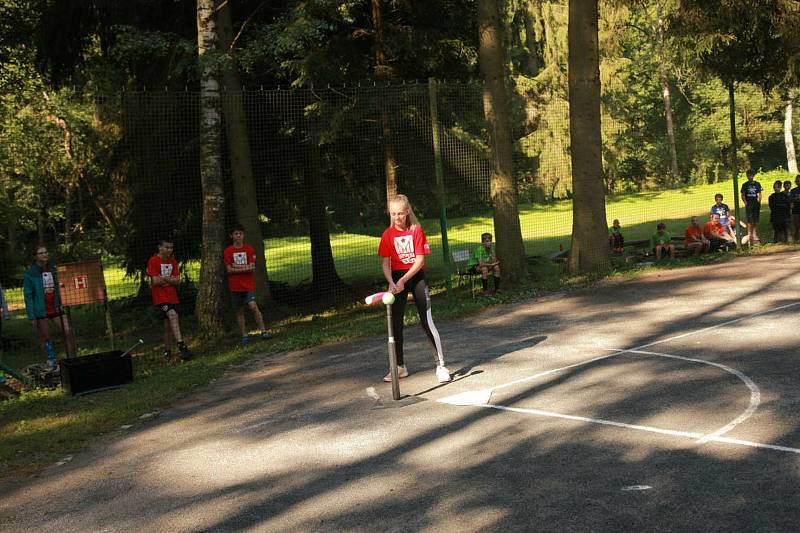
[43,303]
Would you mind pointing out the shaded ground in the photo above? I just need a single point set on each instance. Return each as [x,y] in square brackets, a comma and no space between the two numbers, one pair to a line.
[311,440]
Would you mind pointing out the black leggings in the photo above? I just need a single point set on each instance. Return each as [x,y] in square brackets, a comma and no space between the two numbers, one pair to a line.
[419,289]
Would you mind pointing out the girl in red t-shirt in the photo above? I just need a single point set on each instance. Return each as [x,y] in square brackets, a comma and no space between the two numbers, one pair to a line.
[403,248]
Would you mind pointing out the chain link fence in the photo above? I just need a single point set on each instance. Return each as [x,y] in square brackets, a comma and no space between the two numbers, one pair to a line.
[322,160]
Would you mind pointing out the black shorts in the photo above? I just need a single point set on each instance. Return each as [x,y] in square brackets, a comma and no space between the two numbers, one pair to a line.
[164,309]
[753,211]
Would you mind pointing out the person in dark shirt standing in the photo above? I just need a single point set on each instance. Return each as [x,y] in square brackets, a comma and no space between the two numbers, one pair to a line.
[779,212]
[794,198]
[751,196]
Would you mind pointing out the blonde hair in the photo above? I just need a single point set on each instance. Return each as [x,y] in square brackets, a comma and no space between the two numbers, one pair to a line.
[411,219]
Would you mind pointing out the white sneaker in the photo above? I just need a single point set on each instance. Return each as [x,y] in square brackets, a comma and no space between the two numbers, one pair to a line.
[402,372]
[442,374]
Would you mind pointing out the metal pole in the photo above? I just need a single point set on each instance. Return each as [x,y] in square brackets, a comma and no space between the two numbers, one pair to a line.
[109,325]
[392,355]
[439,169]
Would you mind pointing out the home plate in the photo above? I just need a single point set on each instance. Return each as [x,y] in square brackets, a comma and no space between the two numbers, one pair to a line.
[480,397]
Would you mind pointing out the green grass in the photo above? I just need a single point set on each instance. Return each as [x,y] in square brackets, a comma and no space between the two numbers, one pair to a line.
[41,426]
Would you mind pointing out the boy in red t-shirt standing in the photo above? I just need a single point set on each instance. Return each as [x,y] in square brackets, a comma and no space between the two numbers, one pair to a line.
[240,262]
[164,278]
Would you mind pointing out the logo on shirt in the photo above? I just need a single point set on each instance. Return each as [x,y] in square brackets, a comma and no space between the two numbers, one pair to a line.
[166,270]
[239,258]
[48,282]
[404,246]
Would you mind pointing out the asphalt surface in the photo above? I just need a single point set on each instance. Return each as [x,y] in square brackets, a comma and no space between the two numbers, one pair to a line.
[667,402]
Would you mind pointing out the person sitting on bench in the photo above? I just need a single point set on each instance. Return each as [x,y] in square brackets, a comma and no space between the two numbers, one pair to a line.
[484,260]
[661,242]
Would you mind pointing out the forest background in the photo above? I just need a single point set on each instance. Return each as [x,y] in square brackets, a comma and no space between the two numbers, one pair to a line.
[325,108]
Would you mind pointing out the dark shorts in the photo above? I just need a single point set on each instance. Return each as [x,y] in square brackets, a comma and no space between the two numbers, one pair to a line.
[753,211]
[164,309]
[473,270]
[240,299]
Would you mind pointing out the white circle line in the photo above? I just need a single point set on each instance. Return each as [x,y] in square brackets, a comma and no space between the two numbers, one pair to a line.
[649,429]
[649,344]
[755,393]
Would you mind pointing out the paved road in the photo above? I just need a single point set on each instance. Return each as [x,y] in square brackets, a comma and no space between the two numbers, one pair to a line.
[579,411]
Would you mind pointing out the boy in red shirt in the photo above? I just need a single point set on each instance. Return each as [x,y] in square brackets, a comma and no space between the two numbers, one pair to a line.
[694,240]
[164,278]
[240,262]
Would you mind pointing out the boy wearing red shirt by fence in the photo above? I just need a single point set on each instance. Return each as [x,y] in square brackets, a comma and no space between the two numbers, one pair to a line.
[240,262]
[164,278]
[693,238]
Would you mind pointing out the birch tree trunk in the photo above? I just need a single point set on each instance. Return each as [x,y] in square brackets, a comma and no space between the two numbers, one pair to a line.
[589,250]
[244,187]
[210,294]
[508,235]
[788,137]
[665,93]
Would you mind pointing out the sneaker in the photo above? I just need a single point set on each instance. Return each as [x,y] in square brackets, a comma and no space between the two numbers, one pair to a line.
[266,335]
[442,374]
[245,340]
[186,354]
[402,372]
[167,355]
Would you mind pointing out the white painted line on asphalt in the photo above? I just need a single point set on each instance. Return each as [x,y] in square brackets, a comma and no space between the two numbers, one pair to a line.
[671,432]
[755,393]
[481,398]
[637,348]
[254,426]
[636,487]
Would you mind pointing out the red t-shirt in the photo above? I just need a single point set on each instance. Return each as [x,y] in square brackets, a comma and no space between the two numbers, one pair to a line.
[163,294]
[403,246]
[692,235]
[49,284]
[710,229]
[240,281]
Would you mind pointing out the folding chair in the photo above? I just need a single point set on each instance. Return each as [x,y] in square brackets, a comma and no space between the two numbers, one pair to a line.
[460,260]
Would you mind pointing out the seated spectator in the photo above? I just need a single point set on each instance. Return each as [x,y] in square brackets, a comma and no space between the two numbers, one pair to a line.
[482,261]
[694,240]
[779,212]
[661,242]
[721,209]
[717,234]
[731,229]
[615,238]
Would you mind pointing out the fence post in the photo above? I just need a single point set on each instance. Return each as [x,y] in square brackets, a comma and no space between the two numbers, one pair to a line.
[437,158]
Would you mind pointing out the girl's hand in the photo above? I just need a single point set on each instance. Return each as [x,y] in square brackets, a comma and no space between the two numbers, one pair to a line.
[398,287]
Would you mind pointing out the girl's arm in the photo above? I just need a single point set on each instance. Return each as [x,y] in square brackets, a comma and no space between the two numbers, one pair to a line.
[386,266]
[419,262]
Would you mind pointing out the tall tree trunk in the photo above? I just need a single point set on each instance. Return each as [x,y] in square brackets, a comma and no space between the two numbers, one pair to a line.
[244,188]
[68,216]
[327,286]
[510,249]
[665,93]
[210,294]
[532,58]
[589,240]
[788,137]
[382,73]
